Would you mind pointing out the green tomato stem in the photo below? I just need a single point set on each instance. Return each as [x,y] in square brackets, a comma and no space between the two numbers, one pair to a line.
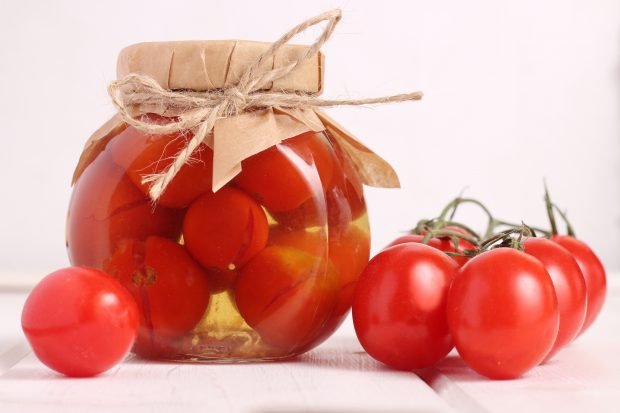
[550,214]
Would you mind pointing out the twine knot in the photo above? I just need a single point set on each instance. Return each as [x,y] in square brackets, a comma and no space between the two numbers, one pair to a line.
[199,111]
[235,100]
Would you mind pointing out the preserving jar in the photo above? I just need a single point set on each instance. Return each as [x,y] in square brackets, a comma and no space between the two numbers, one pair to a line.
[263,268]
[224,200]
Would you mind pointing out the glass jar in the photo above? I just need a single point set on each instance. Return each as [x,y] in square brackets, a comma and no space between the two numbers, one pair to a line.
[262,269]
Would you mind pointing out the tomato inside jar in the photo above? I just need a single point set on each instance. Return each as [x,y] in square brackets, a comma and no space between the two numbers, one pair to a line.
[261,269]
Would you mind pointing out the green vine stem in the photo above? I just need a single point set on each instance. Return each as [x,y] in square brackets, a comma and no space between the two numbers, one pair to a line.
[493,222]
[500,223]
[551,209]
[442,233]
[569,228]
[436,225]
[550,214]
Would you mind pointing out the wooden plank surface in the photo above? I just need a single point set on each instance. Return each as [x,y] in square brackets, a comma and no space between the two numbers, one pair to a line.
[336,377]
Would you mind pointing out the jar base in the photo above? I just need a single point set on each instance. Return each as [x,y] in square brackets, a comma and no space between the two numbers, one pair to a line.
[204,359]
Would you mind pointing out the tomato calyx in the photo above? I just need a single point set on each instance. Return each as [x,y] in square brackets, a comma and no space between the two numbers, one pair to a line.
[507,239]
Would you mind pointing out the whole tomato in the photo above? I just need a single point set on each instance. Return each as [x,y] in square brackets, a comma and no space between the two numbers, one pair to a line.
[142,154]
[286,295]
[348,251]
[171,289]
[399,309]
[593,274]
[224,230]
[107,208]
[80,321]
[442,243]
[503,313]
[570,287]
[281,177]
[342,202]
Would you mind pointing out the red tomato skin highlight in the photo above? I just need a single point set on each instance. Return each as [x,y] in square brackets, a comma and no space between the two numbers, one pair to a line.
[569,285]
[503,313]
[399,308]
[593,274]
[79,321]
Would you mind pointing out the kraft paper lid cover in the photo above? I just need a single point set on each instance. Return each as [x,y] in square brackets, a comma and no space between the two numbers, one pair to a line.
[218,64]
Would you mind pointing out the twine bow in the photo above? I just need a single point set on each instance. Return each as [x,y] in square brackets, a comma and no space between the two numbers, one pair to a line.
[199,111]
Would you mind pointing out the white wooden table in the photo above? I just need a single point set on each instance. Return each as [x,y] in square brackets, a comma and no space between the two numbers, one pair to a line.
[336,377]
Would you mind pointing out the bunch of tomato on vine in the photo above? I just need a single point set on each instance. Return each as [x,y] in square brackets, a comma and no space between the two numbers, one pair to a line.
[508,301]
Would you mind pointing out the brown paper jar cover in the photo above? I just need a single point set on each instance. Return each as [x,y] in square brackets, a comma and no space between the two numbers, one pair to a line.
[217,64]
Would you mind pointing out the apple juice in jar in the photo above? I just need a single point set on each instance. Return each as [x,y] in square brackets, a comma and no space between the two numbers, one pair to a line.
[263,268]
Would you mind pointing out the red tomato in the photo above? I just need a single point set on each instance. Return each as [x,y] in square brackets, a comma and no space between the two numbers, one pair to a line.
[106,208]
[142,154]
[79,321]
[341,203]
[399,309]
[593,274]
[570,287]
[282,177]
[503,313]
[339,207]
[348,253]
[171,290]
[226,229]
[286,295]
[444,244]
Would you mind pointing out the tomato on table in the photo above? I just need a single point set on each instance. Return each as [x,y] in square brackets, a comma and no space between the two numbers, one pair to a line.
[399,309]
[286,295]
[503,313]
[593,274]
[106,208]
[171,290]
[79,321]
[225,230]
[569,285]
[286,175]
[142,154]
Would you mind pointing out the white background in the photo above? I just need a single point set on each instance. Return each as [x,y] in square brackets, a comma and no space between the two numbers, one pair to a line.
[515,91]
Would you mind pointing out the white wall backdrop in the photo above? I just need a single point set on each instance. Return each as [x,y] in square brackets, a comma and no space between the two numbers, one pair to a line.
[515,91]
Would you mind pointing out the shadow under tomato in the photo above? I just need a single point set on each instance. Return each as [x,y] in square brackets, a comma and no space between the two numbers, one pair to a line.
[455,368]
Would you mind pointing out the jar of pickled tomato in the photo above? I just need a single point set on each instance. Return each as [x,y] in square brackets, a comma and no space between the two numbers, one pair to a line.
[264,267]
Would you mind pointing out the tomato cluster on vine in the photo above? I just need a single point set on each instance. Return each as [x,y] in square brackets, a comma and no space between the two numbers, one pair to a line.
[507,301]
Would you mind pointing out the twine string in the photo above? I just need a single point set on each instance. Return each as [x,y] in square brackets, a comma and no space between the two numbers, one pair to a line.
[199,111]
